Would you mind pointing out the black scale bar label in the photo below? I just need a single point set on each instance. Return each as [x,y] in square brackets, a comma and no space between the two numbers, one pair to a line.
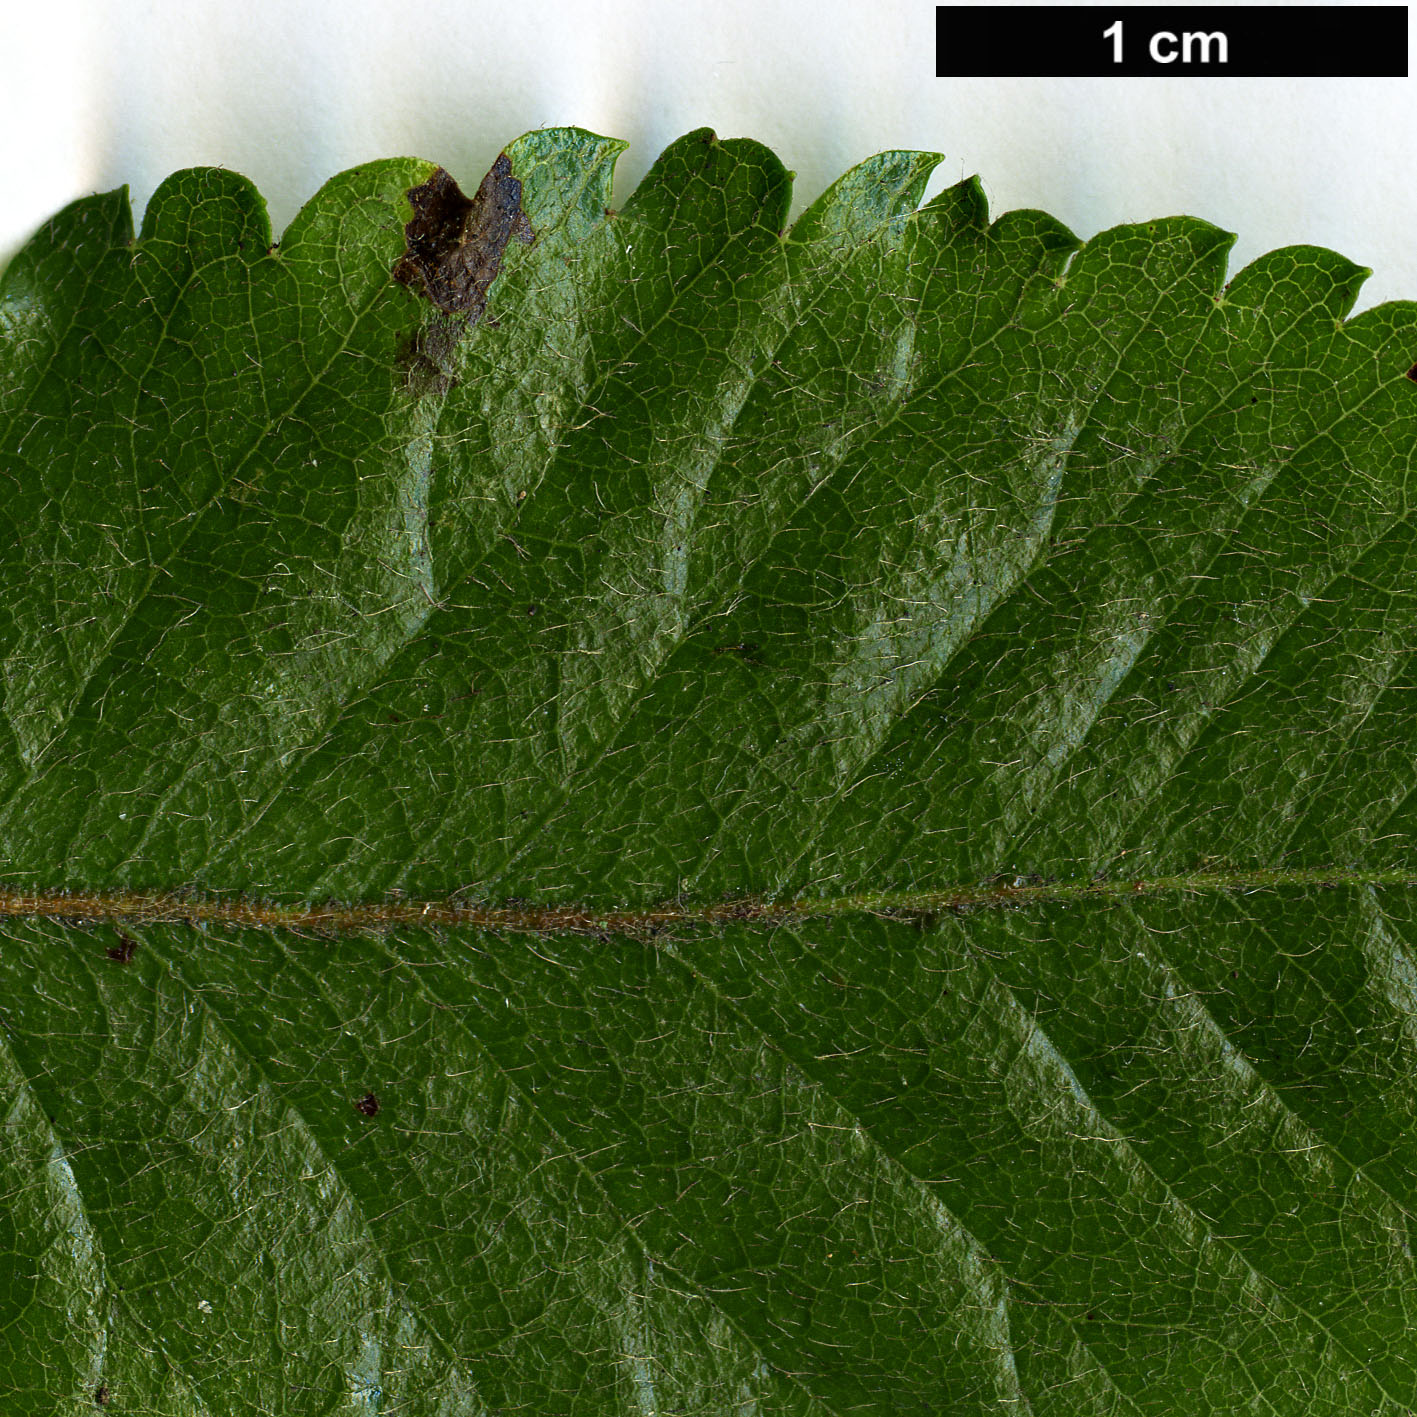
[1244,41]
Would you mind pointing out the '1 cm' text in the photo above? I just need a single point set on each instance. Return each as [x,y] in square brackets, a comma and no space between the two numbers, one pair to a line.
[1166,47]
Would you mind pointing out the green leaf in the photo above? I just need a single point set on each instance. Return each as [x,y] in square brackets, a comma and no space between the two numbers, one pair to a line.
[679,816]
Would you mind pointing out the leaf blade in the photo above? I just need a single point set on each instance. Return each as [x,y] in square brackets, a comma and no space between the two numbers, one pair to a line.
[835,578]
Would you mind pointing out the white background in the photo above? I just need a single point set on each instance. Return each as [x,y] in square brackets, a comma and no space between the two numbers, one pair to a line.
[97,93]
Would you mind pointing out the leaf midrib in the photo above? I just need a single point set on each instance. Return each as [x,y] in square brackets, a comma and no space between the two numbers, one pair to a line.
[81,908]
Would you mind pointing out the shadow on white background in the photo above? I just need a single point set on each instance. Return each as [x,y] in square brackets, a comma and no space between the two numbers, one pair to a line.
[94,94]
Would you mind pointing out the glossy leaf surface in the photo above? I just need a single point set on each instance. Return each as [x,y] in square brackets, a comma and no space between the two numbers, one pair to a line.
[958,682]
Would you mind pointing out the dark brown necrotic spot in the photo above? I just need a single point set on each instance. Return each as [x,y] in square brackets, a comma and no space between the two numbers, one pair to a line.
[1412,373]
[368,1105]
[124,950]
[454,244]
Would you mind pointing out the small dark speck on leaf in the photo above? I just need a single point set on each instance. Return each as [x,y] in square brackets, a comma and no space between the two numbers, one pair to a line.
[454,243]
[124,950]
[1412,373]
[101,1397]
[368,1105]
